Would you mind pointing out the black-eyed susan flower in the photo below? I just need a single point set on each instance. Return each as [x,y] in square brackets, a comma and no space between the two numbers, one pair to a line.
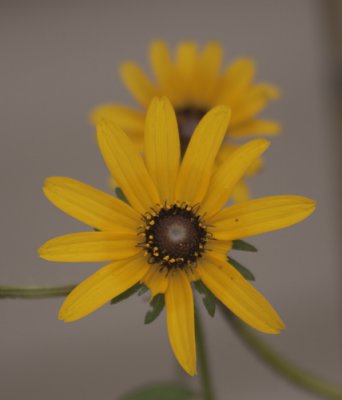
[174,229]
[195,81]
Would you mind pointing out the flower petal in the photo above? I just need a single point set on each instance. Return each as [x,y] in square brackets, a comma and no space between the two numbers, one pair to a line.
[237,77]
[186,58]
[107,283]
[218,249]
[229,173]
[206,76]
[241,192]
[239,296]
[187,67]
[255,127]
[259,216]
[89,205]
[130,120]
[156,279]
[162,149]
[170,80]
[252,102]
[210,61]
[137,83]
[197,165]
[127,166]
[160,61]
[180,320]
[91,246]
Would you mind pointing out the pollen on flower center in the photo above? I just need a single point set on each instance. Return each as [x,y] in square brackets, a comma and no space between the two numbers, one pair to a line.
[177,232]
[175,236]
[188,118]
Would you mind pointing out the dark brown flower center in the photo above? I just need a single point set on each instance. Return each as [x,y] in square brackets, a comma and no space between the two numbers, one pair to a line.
[175,236]
[188,118]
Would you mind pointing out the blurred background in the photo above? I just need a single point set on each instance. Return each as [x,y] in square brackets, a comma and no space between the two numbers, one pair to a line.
[60,59]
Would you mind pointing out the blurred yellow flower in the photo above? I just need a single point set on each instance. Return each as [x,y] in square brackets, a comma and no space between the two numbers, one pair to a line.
[194,82]
[174,229]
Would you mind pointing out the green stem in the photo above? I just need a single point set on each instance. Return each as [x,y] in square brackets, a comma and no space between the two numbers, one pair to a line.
[34,292]
[281,365]
[207,386]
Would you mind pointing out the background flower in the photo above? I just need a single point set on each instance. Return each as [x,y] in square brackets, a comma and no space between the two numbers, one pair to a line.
[195,80]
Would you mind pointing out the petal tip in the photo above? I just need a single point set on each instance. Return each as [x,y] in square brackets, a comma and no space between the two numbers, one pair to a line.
[309,204]
[192,372]
[126,66]
[263,144]
[157,43]
[66,316]
[42,251]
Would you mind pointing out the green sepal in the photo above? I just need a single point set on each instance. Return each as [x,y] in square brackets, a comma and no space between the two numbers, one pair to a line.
[162,391]
[143,289]
[209,299]
[128,293]
[245,272]
[157,304]
[243,246]
[120,195]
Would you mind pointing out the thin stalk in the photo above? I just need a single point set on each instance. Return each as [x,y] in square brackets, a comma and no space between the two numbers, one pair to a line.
[282,366]
[34,292]
[207,386]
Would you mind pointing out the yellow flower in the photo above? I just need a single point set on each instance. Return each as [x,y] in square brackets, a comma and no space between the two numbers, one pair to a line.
[194,83]
[174,229]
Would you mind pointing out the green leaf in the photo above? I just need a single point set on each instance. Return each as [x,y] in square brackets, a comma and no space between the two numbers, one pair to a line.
[143,289]
[209,300]
[157,304]
[120,195]
[128,293]
[243,246]
[162,391]
[245,272]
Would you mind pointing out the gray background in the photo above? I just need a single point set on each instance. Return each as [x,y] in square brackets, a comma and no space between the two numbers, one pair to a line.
[58,60]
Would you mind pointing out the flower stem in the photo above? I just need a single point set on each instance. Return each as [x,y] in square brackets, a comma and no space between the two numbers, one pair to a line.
[207,386]
[282,366]
[34,292]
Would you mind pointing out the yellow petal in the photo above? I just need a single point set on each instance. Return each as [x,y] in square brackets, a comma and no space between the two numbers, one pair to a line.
[252,102]
[236,79]
[218,249]
[137,83]
[156,279]
[160,61]
[241,192]
[91,246]
[187,57]
[162,149]
[206,76]
[192,274]
[228,149]
[229,173]
[255,167]
[259,216]
[170,80]
[127,167]
[239,296]
[89,205]
[180,320]
[210,61]
[267,90]
[198,162]
[255,127]
[130,120]
[107,283]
